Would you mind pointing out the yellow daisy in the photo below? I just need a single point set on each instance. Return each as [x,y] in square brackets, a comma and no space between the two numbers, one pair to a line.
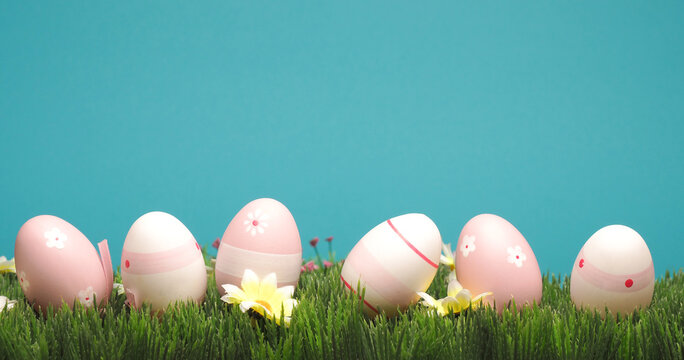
[457,299]
[447,258]
[7,266]
[262,296]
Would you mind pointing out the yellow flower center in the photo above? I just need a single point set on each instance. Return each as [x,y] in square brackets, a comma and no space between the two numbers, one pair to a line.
[265,304]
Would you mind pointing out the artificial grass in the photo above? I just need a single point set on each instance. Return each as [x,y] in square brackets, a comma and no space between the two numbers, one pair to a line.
[329,324]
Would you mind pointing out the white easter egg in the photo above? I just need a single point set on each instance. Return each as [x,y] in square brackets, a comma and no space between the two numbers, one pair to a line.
[161,262]
[392,262]
[613,270]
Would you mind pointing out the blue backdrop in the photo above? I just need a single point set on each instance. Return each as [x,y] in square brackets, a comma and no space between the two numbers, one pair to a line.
[560,117]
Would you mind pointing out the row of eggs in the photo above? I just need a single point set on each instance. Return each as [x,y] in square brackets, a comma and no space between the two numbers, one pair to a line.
[162,263]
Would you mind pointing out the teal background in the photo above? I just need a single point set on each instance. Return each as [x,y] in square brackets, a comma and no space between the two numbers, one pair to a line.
[562,117]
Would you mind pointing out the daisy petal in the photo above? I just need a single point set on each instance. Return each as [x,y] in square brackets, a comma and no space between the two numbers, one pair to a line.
[246,305]
[454,288]
[445,260]
[286,291]
[452,305]
[446,249]
[288,306]
[268,286]
[250,282]
[429,300]
[481,297]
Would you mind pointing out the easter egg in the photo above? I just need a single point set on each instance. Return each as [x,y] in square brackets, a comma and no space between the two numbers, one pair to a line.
[492,255]
[161,263]
[56,263]
[392,262]
[262,237]
[613,270]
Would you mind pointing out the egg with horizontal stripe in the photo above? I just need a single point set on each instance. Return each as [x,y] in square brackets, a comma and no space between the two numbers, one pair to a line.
[264,238]
[492,255]
[56,263]
[613,270]
[161,263]
[392,262]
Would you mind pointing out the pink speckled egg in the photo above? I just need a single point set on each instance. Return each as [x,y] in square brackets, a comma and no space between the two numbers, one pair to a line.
[492,255]
[56,263]
[262,237]
[392,262]
[614,269]
[161,263]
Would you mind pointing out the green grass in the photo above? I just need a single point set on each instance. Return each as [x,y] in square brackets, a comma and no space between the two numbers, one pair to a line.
[329,324]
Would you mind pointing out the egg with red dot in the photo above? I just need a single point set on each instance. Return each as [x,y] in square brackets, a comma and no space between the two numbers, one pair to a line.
[162,263]
[614,270]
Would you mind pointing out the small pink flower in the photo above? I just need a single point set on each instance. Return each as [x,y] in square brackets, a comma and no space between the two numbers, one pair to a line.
[310,266]
[314,241]
[216,243]
[329,239]
[327,263]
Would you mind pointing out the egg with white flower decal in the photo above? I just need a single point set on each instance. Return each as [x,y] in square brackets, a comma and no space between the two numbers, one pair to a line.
[161,263]
[613,270]
[262,237]
[393,262]
[492,255]
[57,264]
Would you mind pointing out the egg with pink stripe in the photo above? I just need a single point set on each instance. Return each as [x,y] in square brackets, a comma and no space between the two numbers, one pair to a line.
[392,262]
[264,238]
[613,270]
[492,255]
[57,264]
[161,263]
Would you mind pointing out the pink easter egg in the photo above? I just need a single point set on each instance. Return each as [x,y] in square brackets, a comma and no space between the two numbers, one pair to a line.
[56,263]
[613,270]
[392,262]
[262,237]
[161,263]
[492,255]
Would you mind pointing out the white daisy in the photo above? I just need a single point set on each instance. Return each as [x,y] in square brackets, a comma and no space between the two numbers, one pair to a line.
[86,296]
[255,222]
[6,303]
[119,288]
[7,265]
[467,245]
[447,257]
[516,256]
[55,238]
